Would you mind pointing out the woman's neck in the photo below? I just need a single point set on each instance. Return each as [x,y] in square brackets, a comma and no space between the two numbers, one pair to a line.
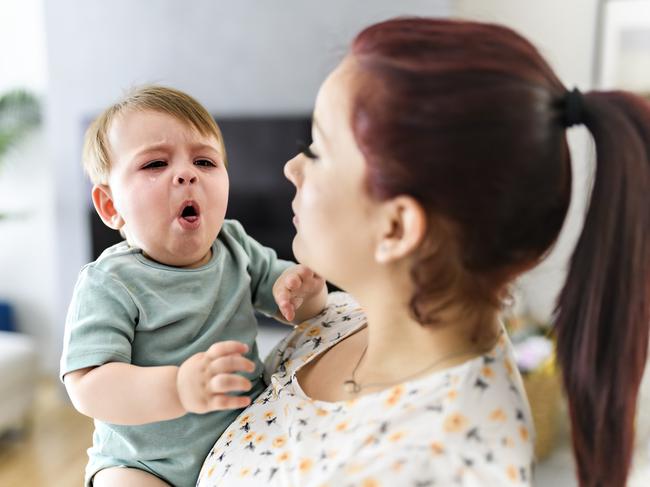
[399,347]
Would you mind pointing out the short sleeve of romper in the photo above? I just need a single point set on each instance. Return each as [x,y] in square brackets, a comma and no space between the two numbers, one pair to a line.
[469,425]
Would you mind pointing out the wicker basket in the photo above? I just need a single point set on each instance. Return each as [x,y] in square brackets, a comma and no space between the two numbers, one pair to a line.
[544,390]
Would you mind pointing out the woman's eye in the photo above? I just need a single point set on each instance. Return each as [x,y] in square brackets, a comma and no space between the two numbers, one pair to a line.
[205,163]
[154,165]
[306,150]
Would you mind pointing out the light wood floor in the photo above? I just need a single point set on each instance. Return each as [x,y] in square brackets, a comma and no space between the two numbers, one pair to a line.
[52,452]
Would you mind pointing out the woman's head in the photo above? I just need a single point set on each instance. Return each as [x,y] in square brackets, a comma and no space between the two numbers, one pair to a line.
[467,119]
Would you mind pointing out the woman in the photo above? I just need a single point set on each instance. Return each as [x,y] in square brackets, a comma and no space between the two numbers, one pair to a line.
[439,172]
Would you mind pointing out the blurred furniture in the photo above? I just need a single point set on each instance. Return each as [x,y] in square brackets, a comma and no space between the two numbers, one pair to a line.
[18,364]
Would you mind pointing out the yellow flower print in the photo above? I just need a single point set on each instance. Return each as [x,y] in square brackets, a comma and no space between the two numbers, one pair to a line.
[313,332]
[395,437]
[509,367]
[354,468]
[279,442]
[210,472]
[437,448]
[244,472]
[321,412]
[305,465]
[283,457]
[302,326]
[498,415]
[230,435]
[455,423]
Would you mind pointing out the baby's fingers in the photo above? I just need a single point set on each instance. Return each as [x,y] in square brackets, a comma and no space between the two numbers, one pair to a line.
[226,348]
[223,383]
[220,401]
[231,363]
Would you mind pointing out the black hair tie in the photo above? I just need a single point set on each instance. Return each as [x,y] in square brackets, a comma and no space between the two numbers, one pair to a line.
[573,108]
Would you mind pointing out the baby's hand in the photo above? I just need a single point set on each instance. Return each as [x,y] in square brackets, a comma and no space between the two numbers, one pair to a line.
[295,286]
[204,379]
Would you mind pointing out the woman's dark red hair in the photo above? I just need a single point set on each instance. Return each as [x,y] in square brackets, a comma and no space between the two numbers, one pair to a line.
[469,119]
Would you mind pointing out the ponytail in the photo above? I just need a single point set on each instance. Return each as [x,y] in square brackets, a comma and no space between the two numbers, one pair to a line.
[603,311]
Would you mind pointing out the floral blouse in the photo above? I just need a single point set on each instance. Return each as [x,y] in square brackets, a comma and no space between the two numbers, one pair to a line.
[469,425]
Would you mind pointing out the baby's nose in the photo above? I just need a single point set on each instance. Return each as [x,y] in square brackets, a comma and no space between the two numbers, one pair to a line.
[185,178]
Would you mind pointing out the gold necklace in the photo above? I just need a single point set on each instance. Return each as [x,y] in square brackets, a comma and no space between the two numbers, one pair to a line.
[351,386]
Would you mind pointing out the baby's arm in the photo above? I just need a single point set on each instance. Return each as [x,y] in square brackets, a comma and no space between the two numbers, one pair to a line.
[300,293]
[122,393]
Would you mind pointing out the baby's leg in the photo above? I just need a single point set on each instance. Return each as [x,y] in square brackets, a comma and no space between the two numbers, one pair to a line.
[126,477]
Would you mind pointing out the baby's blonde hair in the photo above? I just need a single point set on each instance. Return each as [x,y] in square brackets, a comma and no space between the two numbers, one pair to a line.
[96,159]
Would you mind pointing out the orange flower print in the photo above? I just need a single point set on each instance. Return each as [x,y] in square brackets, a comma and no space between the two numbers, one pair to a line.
[511,471]
[342,426]
[244,472]
[487,372]
[313,332]
[248,437]
[523,432]
[305,465]
[437,448]
[452,394]
[230,435]
[321,412]
[245,419]
[395,395]
[260,438]
[283,457]
[370,482]
[269,415]
[279,442]
[210,472]
[455,423]
[498,415]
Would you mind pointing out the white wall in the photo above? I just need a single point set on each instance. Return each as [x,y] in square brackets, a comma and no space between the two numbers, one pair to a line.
[235,57]
[565,33]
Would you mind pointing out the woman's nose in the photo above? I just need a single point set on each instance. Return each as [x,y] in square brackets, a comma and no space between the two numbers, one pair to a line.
[292,170]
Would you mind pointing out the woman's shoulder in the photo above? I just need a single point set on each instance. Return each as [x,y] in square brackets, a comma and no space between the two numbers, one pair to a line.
[342,315]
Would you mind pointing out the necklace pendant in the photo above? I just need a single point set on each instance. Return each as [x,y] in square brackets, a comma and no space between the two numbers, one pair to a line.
[351,387]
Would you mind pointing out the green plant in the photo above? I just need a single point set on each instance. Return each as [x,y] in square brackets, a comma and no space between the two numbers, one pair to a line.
[20,112]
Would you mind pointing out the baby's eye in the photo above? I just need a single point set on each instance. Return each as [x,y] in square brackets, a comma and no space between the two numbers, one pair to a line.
[205,163]
[154,165]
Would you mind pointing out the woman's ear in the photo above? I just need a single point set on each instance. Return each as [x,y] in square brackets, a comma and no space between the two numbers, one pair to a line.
[103,201]
[403,228]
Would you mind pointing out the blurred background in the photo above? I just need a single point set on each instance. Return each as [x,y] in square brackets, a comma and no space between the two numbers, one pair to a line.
[257,66]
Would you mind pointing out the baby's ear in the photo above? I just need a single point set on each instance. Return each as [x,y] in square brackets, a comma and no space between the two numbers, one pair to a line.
[103,201]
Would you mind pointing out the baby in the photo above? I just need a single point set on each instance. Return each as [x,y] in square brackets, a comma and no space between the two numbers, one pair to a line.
[160,336]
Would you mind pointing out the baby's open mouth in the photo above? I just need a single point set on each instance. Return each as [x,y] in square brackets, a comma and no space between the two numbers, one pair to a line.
[190,211]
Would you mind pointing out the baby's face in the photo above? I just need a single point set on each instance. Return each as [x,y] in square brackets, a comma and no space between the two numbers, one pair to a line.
[169,186]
